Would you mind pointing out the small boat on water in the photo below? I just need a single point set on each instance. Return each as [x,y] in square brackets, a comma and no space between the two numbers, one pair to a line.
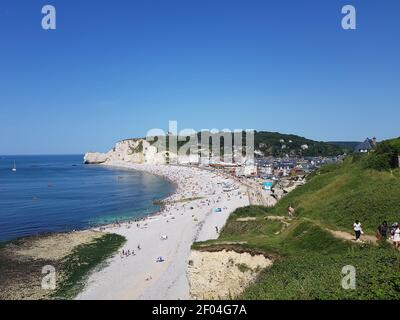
[14,168]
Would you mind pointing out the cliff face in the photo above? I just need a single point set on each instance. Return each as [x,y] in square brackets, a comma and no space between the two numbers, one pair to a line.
[131,150]
[94,158]
[223,274]
[265,143]
[141,151]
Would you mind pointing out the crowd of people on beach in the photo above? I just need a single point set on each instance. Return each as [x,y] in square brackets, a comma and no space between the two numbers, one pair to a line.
[197,209]
[186,198]
[176,203]
[130,252]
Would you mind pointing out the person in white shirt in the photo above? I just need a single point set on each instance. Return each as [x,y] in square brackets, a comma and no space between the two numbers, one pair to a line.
[396,237]
[357,229]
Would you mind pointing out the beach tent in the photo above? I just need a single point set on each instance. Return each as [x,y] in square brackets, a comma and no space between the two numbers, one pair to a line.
[267,185]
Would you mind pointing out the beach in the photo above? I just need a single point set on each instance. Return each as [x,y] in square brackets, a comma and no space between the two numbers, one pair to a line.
[188,215]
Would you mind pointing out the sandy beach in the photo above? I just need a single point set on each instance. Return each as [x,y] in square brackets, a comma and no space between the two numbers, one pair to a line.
[188,216]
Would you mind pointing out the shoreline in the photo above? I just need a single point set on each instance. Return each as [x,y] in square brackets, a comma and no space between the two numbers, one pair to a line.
[72,254]
[172,182]
[34,246]
[139,276]
[93,220]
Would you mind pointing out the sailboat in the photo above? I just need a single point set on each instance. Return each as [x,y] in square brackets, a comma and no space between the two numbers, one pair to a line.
[14,168]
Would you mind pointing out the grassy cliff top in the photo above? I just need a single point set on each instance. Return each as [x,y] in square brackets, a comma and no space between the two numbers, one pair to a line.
[313,248]
[278,144]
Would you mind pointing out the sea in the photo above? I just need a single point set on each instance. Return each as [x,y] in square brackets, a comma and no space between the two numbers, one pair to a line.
[57,193]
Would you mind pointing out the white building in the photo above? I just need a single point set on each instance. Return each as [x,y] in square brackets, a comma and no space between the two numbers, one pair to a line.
[246,171]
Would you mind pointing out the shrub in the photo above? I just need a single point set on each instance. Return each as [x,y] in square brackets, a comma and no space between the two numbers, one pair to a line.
[357,157]
[379,162]
[330,167]
[390,148]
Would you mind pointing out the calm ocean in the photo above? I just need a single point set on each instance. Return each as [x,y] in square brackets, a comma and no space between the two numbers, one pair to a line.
[59,193]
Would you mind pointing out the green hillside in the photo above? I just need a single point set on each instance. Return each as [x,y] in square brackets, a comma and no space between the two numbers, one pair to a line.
[339,194]
[279,145]
[311,252]
[347,145]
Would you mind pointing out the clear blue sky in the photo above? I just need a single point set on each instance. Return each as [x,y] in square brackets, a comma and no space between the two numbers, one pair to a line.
[115,69]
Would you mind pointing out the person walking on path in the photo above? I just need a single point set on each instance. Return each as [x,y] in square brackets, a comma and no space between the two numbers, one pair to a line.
[290,211]
[357,230]
[396,237]
[382,231]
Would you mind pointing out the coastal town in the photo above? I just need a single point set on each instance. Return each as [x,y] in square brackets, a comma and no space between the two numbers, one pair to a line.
[208,192]
[268,178]
[271,178]
[200,158]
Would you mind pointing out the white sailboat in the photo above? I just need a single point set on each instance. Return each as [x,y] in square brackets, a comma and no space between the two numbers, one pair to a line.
[14,168]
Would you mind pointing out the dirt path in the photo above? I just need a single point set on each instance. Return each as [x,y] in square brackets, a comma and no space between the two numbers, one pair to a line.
[350,237]
[365,238]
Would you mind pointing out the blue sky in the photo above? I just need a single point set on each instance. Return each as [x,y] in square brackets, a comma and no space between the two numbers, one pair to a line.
[115,69]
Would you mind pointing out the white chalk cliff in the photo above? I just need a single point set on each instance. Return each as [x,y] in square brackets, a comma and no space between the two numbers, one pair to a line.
[142,151]
[137,151]
[130,150]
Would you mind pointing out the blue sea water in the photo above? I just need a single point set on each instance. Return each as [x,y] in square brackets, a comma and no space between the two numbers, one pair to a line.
[60,193]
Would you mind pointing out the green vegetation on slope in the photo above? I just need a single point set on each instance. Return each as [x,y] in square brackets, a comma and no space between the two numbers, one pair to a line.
[273,144]
[270,143]
[385,156]
[339,194]
[317,274]
[349,146]
[85,258]
[310,259]
[22,261]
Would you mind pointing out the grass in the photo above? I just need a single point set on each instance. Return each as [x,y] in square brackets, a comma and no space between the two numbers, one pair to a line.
[188,199]
[318,276]
[254,228]
[344,193]
[183,200]
[310,259]
[85,258]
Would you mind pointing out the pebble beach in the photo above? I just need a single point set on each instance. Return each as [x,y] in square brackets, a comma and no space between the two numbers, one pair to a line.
[159,245]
